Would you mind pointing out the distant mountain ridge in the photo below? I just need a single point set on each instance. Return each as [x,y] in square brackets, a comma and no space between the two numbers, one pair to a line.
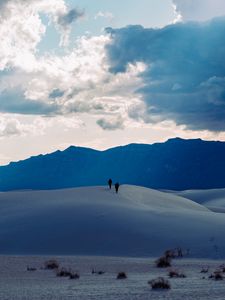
[176,164]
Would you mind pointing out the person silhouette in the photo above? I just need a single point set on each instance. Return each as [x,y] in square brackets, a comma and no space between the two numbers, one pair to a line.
[110,183]
[117,185]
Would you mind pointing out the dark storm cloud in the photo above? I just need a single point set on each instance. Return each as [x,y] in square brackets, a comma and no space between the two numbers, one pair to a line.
[70,17]
[112,124]
[13,101]
[185,75]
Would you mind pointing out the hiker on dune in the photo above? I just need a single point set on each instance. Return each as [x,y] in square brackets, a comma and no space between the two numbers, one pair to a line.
[117,185]
[110,183]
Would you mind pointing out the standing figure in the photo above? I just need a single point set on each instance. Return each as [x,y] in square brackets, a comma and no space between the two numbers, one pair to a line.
[117,185]
[110,183]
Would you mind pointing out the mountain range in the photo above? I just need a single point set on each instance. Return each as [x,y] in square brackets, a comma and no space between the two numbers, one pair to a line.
[177,164]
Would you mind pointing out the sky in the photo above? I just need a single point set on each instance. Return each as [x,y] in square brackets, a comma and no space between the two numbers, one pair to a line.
[105,73]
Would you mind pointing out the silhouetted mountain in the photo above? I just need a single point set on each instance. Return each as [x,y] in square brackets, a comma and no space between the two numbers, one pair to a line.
[176,164]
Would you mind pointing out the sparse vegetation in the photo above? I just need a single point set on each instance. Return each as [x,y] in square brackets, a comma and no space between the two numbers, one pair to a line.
[170,254]
[51,264]
[64,273]
[100,272]
[217,275]
[74,276]
[222,268]
[205,270]
[174,253]
[31,269]
[163,262]
[176,274]
[97,272]
[159,284]
[121,275]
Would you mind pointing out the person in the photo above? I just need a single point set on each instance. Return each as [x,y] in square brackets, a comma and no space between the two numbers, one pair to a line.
[117,185]
[110,183]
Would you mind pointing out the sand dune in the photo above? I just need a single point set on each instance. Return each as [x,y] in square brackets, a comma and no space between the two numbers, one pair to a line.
[93,220]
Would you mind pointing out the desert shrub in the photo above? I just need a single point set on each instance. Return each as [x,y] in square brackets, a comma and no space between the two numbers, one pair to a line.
[163,262]
[176,274]
[174,253]
[74,276]
[121,275]
[205,270]
[179,252]
[97,272]
[100,272]
[51,264]
[170,254]
[222,268]
[31,269]
[63,273]
[159,283]
[217,275]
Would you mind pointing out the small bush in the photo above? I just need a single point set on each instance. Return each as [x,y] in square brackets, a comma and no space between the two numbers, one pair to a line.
[122,275]
[205,270]
[174,253]
[97,272]
[51,264]
[74,276]
[159,283]
[170,254]
[222,268]
[217,275]
[31,269]
[176,274]
[163,262]
[100,272]
[64,273]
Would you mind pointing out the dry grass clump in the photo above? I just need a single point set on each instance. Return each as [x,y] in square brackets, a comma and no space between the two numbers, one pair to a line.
[217,275]
[174,253]
[159,284]
[222,268]
[74,276]
[63,272]
[204,270]
[97,272]
[176,274]
[163,262]
[31,269]
[51,264]
[121,275]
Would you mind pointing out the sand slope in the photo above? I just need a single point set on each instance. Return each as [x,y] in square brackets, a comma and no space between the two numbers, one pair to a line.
[93,220]
[214,199]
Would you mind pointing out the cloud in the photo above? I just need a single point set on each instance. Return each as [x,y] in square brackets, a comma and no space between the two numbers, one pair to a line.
[75,83]
[14,101]
[27,29]
[70,17]
[56,93]
[106,14]
[184,80]
[199,10]
[111,124]
[11,126]
[64,22]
